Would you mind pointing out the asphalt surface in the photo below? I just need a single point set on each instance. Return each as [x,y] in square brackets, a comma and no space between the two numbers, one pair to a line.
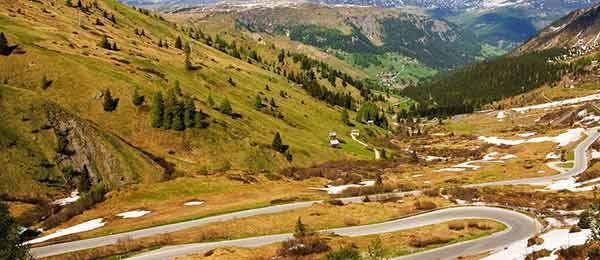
[580,164]
[520,227]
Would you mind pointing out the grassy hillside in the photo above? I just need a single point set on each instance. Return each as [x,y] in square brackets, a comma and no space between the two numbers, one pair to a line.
[56,59]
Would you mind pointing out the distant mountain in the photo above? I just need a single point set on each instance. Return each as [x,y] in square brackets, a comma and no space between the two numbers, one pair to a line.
[580,29]
[454,5]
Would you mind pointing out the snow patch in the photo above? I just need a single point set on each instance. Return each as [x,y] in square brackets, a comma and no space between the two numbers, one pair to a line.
[553,240]
[68,200]
[563,139]
[193,203]
[330,189]
[528,134]
[133,214]
[85,226]
[565,102]
[501,115]
[552,156]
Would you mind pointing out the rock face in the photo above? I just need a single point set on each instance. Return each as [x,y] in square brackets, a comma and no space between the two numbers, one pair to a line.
[103,156]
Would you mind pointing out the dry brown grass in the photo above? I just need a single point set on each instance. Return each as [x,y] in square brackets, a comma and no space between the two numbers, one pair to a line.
[422,204]
[317,217]
[395,243]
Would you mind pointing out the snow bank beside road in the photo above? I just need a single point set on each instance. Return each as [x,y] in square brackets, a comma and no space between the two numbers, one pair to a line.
[85,226]
[553,240]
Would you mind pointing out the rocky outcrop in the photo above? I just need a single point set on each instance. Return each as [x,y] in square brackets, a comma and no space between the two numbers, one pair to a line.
[103,156]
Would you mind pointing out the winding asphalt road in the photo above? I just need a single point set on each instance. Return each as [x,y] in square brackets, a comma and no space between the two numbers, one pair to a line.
[472,247]
[519,227]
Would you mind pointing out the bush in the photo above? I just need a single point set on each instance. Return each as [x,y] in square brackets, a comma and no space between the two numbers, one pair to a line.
[478,225]
[425,205]
[538,254]
[302,246]
[346,253]
[109,103]
[585,219]
[574,229]
[536,240]
[349,221]
[45,82]
[87,200]
[456,226]
[424,241]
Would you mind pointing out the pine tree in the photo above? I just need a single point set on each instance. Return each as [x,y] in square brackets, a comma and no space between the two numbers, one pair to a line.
[69,3]
[160,43]
[178,43]
[104,43]
[178,121]
[113,19]
[231,82]
[188,63]
[225,107]
[157,111]
[4,48]
[210,101]
[114,46]
[272,103]
[137,99]
[189,112]
[346,117]
[300,230]
[278,145]
[10,242]
[258,105]
[109,103]
[187,48]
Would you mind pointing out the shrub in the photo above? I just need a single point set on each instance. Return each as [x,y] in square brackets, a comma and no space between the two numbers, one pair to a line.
[574,229]
[478,225]
[87,200]
[456,226]
[425,205]
[538,254]
[109,103]
[349,221]
[424,241]
[305,245]
[585,219]
[346,253]
[45,82]
[536,240]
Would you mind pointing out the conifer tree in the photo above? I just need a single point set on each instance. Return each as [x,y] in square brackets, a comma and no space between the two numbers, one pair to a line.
[160,43]
[258,105]
[189,112]
[178,121]
[225,107]
[109,103]
[104,43]
[210,101]
[300,230]
[113,19]
[178,43]
[157,111]
[114,46]
[272,103]
[346,117]
[10,242]
[137,99]
[4,48]
[278,143]
[188,63]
